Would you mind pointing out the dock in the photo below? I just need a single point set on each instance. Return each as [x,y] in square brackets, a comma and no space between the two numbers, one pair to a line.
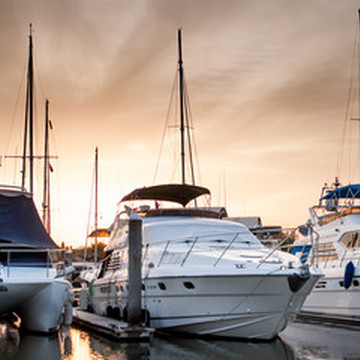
[111,328]
[319,318]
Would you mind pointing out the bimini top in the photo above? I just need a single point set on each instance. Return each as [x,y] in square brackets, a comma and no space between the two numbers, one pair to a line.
[20,223]
[345,192]
[181,194]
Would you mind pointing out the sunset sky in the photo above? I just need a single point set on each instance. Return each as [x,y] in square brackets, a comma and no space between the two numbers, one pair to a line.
[268,82]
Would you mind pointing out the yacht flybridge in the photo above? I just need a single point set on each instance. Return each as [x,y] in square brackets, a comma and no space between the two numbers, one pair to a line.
[331,241]
[201,274]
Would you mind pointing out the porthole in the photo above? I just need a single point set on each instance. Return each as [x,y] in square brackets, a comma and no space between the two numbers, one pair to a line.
[162,286]
[189,285]
[356,282]
[341,283]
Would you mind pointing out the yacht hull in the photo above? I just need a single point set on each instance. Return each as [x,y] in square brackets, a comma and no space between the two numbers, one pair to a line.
[39,303]
[249,306]
[329,298]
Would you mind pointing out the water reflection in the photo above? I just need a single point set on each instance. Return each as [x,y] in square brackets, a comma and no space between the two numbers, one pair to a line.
[299,341]
[76,344]
[186,348]
[15,345]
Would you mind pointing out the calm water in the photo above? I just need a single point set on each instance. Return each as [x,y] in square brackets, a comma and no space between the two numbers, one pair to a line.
[298,341]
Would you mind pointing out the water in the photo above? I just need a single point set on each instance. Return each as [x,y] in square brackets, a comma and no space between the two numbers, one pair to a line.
[298,341]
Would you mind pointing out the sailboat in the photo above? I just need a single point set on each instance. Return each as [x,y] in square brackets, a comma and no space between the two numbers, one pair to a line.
[201,274]
[29,285]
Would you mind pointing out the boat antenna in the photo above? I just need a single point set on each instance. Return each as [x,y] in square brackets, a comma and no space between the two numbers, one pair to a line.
[181,94]
[29,118]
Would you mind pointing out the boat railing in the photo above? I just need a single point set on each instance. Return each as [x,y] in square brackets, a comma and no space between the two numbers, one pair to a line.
[350,256]
[276,248]
[8,264]
[228,240]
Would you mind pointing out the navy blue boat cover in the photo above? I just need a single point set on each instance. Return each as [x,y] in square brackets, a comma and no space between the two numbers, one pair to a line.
[345,192]
[20,222]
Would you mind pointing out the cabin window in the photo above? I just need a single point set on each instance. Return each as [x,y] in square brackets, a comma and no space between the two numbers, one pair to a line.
[162,286]
[142,287]
[351,239]
[27,259]
[189,285]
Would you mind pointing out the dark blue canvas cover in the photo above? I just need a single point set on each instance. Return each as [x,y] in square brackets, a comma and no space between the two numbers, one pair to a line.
[20,222]
[345,192]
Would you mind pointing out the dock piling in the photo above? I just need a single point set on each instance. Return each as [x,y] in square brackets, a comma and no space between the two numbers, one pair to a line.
[135,248]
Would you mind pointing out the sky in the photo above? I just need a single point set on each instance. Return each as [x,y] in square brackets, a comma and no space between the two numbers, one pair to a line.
[268,82]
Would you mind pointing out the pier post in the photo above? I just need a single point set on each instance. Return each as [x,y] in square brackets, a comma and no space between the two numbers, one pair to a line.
[135,249]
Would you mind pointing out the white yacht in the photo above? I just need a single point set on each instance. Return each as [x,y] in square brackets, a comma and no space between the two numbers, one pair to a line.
[28,283]
[331,241]
[201,274]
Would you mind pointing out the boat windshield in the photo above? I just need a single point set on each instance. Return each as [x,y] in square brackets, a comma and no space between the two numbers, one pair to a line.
[212,232]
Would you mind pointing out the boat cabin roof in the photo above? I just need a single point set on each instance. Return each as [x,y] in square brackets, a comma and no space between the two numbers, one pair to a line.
[178,193]
[344,192]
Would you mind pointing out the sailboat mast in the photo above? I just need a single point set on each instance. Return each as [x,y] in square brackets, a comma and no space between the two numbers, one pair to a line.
[46,205]
[181,94]
[31,107]
[96,206]
[28,119]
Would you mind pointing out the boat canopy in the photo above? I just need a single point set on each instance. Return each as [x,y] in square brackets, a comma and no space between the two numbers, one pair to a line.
[181,194]
[20,222]
[345,192]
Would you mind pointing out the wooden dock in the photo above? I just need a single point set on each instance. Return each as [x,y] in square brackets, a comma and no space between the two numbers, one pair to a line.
[112,328]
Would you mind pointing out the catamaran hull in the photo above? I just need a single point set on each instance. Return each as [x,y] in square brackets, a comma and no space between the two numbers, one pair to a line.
[38,304]
[252,307]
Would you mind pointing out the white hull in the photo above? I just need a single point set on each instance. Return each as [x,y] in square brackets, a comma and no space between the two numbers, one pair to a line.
[253,307]
[37,301]
[331,299]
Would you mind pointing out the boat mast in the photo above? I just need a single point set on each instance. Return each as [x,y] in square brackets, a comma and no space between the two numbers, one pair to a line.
[29,118]
[96,207]
[181,94]
[46,195]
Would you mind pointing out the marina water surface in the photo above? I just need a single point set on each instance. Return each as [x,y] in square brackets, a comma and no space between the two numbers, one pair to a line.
[298,341]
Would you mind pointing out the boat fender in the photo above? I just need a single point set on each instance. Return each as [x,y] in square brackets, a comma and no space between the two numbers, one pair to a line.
[125,314]
[349,274]
[116,313]
[109,311]
[297,281]
[145,317]
[68,312]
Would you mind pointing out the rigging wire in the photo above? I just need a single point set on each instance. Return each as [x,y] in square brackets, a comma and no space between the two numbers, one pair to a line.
[89,214]
[193,137]
[352,88]
[19,92]
[165,129]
